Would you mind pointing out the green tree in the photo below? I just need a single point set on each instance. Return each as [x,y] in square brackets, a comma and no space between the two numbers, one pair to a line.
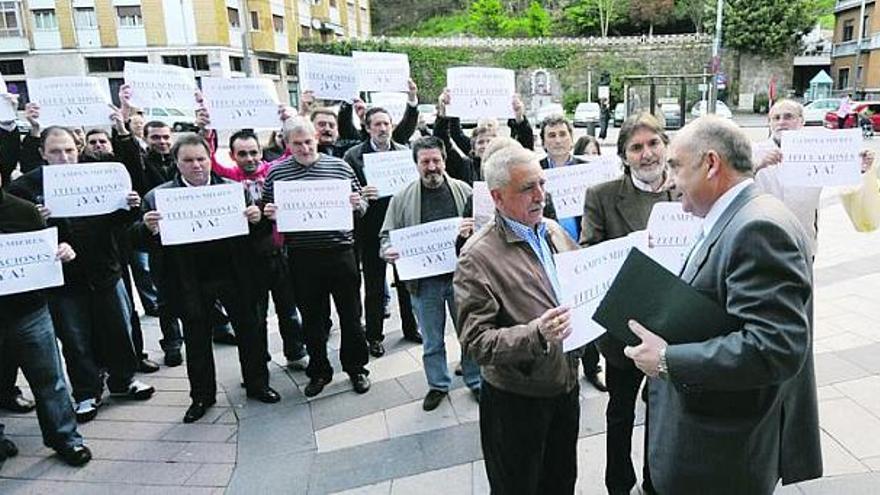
[651,12]
[768,27]
[538,20]
[486,17]
[591,17]
[696,11]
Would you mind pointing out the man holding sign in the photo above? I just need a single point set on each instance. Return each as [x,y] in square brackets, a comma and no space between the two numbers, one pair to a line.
[379,126]
[199,273]
[434,196]
[507,293]
[26,331]
[322,263]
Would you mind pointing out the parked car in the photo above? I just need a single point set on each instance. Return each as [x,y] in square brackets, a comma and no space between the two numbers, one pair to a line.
[178,120]
[619,114]
[721,109]
[814,111]
[672,115]
[548,110]
[428,111]
[871,109]
[586,113]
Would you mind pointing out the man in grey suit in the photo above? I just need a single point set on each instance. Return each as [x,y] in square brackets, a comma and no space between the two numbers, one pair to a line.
[736,413]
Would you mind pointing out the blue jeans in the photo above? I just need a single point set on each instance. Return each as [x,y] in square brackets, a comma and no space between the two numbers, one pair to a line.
[143,281]
[429,304]
[94,327]
[32,338]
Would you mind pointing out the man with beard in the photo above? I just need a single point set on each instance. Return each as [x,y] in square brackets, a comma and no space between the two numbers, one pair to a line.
[367,230]
[91,312]
[434,196]
[611,210]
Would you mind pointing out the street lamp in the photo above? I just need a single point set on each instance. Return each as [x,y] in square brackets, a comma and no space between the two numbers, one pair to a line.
[716,56]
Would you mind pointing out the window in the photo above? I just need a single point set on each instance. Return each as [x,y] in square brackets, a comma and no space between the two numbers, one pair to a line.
[843,78]
[234,21]
[199,62]
[44,19]
[278,24]
[130,16]
[866,23]
[12,67]
[255,21]
[847,34]
[236,64]
[291,69]
[305,33]
[84,18]
[10,22]
[110,64]
[332,4]
[859,75]
[269,67]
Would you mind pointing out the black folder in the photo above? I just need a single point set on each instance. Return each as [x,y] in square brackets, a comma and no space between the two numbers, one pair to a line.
[650,294]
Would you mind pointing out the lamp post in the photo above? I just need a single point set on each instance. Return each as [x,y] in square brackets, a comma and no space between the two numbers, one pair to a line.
[716,56]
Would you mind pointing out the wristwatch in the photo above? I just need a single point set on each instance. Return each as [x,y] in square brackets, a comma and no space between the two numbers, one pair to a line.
[662,368]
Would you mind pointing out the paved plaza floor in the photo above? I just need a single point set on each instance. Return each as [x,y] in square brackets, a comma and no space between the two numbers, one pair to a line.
[383,443]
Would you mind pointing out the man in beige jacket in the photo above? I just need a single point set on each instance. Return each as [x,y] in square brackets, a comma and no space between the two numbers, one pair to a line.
[507,295]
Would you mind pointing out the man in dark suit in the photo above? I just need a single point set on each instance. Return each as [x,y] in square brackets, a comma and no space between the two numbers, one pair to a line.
[735,413]
[615,209]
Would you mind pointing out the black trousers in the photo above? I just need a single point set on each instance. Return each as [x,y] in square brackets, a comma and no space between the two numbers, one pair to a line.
[590,359]
[198,337]
[137,334]
[375,269]
[318,274]
[623,388]
[529,443]
[273,274]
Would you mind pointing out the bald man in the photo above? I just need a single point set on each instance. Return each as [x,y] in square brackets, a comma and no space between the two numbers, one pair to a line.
[737,412]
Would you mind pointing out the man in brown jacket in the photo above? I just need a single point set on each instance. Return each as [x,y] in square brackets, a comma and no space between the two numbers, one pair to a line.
[512,325]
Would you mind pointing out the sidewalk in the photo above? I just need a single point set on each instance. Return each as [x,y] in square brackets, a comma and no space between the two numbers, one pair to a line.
[383,443]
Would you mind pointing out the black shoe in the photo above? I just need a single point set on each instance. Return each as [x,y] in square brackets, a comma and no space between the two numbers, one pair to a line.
[433,399]
[387,313]
[376,348]
[227,338]
[475,392]
[173,358]
[7,449]
[316,385]
[458,370]
[147,366]
[17,403]
[265,394]
[76,456]
[197,410]
[154,312]
[596,382]
[360,382]
[415,338]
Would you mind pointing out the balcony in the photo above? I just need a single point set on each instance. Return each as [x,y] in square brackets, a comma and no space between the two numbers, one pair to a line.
[847,48]
[842,5]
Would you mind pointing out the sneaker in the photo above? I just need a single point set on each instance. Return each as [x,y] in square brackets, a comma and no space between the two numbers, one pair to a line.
[433,399]
[298,364]
[86,410]
[136,390]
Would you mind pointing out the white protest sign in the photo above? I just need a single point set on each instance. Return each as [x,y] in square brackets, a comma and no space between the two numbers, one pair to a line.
[390,171]
[671,232]
[821,157]
[71,101]
[159,85]
[484,206]
[480,92]
[426,250]
[567,185]
[7,109]
[584,277]
[83,190]
[328,76]
[243,103]
[381,71]
[395,103]
[198,214]
[28,261]
[313,205]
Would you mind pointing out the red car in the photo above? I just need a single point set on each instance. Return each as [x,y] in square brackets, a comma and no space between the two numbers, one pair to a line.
[873,112]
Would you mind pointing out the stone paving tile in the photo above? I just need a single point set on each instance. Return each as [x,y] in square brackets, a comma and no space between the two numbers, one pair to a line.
[134,473]
[411,418]
[211,475]
[831,369]
[383,488]
[857,430]
[843,341]
[393,365]
[154,414]
[836,460]
[206,453]
[343,407]
[865,392]
[124,430]
[466,408]
[864,357]
[135,450]
[366,429]
[479,480]
[873,463]
[283,432]
[860,484]
[286,474]
[27,467]
[828,392]
[166,383]
[454,480]
[42,487]
[198,432]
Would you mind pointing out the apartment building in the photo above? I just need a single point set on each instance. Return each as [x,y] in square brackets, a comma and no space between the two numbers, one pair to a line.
[42,38]
[855,59]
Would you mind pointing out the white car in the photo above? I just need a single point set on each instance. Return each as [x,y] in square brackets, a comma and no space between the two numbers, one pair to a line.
[178,120]
[585,113]
[548,110]
[814,111]
[428,112]
[721,109]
